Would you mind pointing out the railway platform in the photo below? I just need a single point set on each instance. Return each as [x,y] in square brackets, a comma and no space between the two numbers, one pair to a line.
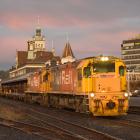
[135,101]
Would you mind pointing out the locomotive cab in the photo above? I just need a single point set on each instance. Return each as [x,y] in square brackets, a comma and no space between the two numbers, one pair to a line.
[104,82]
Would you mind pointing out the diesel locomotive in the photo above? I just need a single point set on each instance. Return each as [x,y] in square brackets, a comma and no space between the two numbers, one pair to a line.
[94,85]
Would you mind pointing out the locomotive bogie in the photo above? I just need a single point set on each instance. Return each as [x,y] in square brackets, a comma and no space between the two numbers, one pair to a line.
[77,103]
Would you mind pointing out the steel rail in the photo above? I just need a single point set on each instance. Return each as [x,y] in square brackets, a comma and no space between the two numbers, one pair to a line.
[126,122]
[134,110]
[92,132]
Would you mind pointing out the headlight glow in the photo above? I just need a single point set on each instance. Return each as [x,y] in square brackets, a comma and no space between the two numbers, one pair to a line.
[104,58]
[126,94]
[92,95]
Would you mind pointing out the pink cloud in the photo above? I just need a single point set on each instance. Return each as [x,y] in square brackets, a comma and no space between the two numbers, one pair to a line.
[16,21]
[20,22]
[9,45]
[102,43]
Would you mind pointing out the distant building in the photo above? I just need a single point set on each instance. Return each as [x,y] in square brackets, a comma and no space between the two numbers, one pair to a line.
[133,76]
[34,58]
[130,51]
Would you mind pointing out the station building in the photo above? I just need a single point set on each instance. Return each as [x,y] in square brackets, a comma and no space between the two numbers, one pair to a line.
[27,62]
[33,60]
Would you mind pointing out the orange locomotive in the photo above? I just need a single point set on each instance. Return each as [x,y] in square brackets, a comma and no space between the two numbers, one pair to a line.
[95,85]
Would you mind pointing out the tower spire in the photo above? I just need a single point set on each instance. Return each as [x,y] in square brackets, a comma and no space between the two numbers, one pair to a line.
[67,37]
[68,55]
[38,21]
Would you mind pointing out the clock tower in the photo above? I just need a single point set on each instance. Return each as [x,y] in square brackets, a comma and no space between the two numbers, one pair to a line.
[39,40]
[36,44]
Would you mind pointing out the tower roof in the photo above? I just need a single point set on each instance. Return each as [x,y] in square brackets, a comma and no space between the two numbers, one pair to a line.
[68,51]
[38,31]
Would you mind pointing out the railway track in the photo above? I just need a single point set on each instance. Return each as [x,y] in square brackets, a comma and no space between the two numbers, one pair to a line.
[134,110]
[84,132]
[125,122]
[79,131]
[130,123]
[46,132]
[135,123]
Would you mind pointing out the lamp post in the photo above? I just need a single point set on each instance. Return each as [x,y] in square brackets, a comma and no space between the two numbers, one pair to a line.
[128,85]
[128,81]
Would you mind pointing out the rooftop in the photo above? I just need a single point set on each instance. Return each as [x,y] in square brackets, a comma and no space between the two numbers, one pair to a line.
[68,51]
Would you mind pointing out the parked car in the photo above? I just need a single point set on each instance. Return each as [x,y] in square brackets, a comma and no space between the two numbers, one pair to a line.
[136,93]
[130,94]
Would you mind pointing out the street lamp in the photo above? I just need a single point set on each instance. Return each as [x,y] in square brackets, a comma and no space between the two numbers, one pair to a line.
[128,81]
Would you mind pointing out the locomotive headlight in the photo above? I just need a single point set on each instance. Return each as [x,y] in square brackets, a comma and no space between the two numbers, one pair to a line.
[104,58]
[92,95]
[126,94]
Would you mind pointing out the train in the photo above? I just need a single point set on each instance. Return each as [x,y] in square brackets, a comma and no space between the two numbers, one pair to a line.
[95,85]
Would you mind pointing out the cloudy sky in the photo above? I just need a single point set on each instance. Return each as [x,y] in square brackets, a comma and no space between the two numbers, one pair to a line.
[94,27]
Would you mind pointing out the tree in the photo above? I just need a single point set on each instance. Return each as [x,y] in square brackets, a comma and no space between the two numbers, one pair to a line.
[4,74]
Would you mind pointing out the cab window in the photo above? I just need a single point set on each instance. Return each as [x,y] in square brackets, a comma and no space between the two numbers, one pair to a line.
[87,72]
[121,70]
[104,67]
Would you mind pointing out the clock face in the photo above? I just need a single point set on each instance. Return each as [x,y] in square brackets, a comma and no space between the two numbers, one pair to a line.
[38,45]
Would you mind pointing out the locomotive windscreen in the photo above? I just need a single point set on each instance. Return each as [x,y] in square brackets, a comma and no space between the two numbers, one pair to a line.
[104,67]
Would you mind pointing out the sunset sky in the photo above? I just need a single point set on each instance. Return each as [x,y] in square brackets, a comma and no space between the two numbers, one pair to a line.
[94,27]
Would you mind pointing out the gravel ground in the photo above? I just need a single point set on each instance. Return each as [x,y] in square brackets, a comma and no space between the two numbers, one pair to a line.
[99,123]
[7,133]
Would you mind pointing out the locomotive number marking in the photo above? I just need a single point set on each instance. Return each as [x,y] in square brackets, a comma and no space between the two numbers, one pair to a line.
[66,77]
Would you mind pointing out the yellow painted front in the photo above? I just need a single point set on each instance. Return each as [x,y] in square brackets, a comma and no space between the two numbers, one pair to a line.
[115,88]
[103,110]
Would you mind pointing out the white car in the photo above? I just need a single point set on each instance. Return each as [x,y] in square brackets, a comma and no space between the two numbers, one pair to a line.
[135,93]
